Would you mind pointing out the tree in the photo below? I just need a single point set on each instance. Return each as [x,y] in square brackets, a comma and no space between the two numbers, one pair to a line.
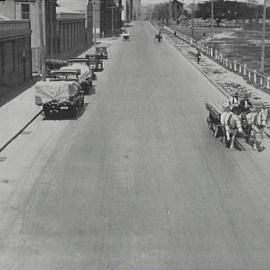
[229,10]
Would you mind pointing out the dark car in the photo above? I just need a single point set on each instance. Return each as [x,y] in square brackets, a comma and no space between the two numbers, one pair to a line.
[102,52]
[95,59]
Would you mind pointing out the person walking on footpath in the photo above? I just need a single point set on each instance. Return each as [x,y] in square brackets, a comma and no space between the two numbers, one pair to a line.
[199,56]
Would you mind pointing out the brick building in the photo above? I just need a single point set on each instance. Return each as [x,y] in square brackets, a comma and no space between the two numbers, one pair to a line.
[15,52]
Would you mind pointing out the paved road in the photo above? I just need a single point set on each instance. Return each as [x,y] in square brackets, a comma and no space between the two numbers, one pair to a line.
[138,181]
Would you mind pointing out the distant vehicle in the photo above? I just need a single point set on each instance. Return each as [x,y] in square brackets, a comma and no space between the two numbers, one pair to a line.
[125,34]
[102,52]
[59,96]
[95,58]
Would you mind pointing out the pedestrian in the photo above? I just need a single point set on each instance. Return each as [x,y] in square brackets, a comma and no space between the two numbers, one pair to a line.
[174,33]
[199,56]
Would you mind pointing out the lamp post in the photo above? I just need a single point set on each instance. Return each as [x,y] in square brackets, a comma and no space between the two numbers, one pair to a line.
[170,10]
[112,8]
[212,24]
[42,46]
[94,24]
[193,23]
[263,37]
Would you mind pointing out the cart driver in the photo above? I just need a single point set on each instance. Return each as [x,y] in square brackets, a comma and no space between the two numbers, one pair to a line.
[245,104]
[234,103]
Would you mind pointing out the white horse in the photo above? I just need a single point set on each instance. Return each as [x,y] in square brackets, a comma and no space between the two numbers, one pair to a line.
[231,125]
[256,121]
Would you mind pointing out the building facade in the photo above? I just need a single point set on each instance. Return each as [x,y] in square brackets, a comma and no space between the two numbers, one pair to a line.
[71,33]
[29,10]
[15,52]
[110,17]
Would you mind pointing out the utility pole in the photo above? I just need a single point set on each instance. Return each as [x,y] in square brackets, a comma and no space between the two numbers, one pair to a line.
[170,10]
[193,23]
[112,8]
[175,11]
[94,24]
[42,46]
[212,23]
[14,2]
[263,38]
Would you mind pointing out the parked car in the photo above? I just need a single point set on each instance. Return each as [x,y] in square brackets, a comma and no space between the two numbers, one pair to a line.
[73,74]
[84,61]
[52,64]
[95,58]
[102,52]
[58,96]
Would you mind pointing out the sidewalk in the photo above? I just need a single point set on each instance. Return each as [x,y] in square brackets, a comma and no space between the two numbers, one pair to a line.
[18,113]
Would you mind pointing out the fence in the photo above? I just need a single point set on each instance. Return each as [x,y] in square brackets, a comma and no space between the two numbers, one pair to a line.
[251,76]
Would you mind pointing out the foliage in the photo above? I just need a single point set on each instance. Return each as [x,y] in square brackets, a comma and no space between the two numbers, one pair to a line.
[229,10]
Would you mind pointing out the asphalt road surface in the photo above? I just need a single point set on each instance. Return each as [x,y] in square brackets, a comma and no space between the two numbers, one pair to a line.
[137,181]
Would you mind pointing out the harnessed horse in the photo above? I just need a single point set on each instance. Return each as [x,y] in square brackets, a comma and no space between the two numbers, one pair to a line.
[231,125]
[256,121]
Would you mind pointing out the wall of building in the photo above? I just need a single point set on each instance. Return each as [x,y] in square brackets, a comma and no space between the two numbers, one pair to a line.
[14,10]
[7,8]
[15,52]
[71,34]
[109,10]
[136,9]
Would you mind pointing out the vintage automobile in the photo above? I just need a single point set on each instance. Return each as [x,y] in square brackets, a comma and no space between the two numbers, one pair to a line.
[84,61]
[95,58]
[73,74]
[102,52]
[58,96]
[52,64]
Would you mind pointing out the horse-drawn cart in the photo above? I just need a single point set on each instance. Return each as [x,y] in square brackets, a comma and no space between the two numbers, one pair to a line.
[248,125]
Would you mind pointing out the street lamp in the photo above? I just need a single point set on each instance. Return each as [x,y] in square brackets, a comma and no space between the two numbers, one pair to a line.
[212,23]
[263,37]
[42,45]
[112,19]
[193,23]
[94,24]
